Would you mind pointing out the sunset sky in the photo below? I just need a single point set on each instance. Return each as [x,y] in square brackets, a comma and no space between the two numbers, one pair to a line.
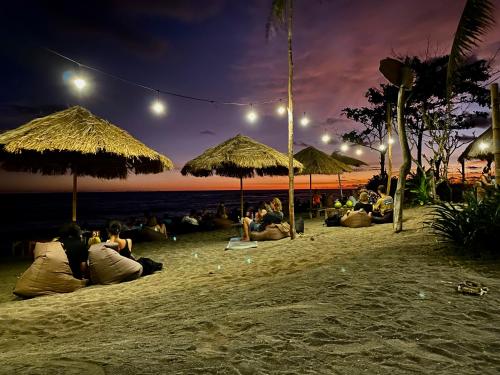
[211,49]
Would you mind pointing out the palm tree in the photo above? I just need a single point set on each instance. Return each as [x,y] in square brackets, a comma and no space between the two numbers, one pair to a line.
[477,18]
[281,14]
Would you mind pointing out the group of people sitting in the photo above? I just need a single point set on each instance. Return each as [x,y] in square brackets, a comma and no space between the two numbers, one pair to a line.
[266,215]
[365,212]
[77,250]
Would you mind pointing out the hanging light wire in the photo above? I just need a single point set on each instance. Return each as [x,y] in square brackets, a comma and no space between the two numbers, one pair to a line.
[171,93]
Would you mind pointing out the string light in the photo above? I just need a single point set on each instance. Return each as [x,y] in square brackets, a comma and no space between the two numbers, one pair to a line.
[251,115]
[157,106]
[304,121]
[382,147]
[79,83]
[326,138]
[483,146]
[390,141]
[359,151]
[344,147]
[281,110]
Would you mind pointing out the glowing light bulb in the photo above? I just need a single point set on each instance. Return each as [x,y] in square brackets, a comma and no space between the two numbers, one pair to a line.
[158,107]
[344,147]
[359,151]
[391,141]
[382,147]
[483,146]
[281,110]
[304,121]
[252,116]
[79,83]
[325,138]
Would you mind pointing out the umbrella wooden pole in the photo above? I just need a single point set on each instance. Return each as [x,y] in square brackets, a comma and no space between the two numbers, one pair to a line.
[340,187]
[241,198]
[495,119]
[74,197]
[311,197]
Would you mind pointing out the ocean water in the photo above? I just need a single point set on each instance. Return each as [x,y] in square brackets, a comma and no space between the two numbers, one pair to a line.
[25,213]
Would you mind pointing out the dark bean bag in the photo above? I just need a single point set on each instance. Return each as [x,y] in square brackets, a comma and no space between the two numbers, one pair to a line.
[50,273]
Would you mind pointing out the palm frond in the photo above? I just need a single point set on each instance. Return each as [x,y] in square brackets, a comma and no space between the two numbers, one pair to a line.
[276,18]
[477,18]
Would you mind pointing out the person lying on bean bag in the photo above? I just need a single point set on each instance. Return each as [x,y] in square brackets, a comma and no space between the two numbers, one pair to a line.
[50,273]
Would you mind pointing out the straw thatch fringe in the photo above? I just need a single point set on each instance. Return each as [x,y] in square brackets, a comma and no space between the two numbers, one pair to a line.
[240,156]
[78,141]
[317,162]
[347,160]
[474,151]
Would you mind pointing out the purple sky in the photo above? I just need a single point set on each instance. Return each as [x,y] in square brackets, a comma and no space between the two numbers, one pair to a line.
[214,49]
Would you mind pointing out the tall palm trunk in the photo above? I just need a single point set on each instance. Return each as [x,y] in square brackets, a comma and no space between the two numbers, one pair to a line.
[495,118]
[389,147]
[404,169]
[291,205]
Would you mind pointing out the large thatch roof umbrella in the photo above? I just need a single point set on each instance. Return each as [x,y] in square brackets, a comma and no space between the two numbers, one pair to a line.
[240,157]
[481,148]
[346,160]
[77,141]
[317,162]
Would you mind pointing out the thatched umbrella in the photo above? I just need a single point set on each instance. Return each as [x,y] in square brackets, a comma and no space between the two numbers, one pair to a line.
[317,162]
[346,160]
[481,148]
[240,157]
[77,141]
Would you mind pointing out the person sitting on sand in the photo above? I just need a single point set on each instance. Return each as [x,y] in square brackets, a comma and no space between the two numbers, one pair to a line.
[265,218]
[221,212]
[363,203]
[152,224]
[124,248]
[383,209]
[70,236]
[485,184]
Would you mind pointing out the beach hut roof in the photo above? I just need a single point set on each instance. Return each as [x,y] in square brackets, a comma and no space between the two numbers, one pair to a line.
[317,162]
[77,140]
[240,157]
[477,150]
[347,159]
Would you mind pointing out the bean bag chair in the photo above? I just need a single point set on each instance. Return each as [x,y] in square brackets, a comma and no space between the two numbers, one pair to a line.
[150,235]
[221,223]
[50,273]
[107,266]
[272,232]
[356,219]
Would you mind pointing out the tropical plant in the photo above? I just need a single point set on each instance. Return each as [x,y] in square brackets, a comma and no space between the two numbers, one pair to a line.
[282,14]
[474,227]
[420,189]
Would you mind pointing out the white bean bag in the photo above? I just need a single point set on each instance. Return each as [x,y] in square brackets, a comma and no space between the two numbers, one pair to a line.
[107,266]
[50,273]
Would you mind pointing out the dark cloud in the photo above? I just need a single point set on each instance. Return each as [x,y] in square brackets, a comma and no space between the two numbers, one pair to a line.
[207,132]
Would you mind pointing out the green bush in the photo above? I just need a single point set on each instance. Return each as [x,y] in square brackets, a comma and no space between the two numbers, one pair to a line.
[419,189]
[473,226]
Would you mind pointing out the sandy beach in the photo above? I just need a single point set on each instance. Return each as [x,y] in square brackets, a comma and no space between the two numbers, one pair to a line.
[334,301]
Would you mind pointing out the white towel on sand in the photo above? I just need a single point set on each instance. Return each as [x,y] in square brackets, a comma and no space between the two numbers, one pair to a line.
[235,243]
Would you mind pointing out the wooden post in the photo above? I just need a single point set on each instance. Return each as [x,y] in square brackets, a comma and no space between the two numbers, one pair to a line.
[311,197]
[241,198]
[404,169]
[495,119]
[291,202]
[73,216]
[340,187]
[389,147]
[463,170]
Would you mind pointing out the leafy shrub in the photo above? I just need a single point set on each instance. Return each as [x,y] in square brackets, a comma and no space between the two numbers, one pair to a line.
[419,188]
[473,226]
